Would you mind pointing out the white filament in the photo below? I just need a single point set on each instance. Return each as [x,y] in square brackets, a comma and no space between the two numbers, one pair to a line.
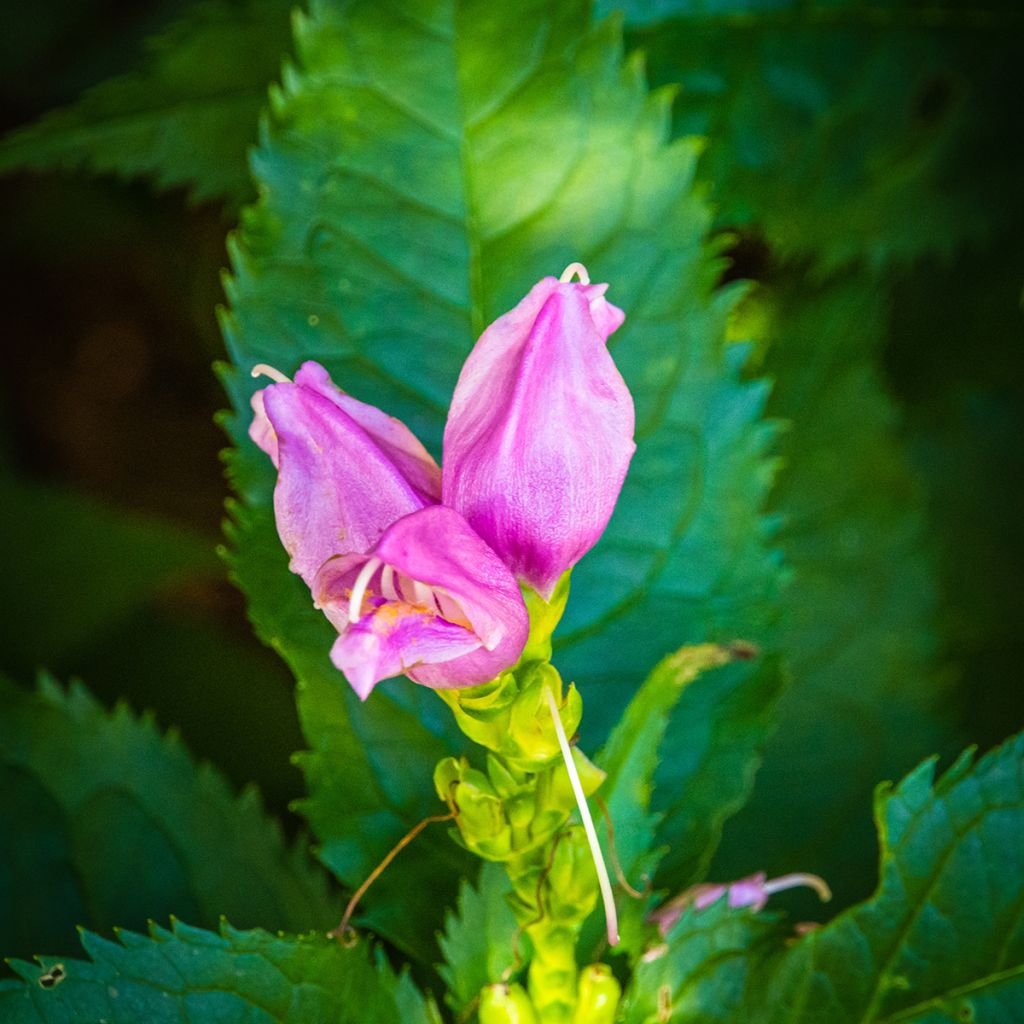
[355,601]
[387,583]
[798,878]
[265,370]
[610,915]
[575,269]
[424,596]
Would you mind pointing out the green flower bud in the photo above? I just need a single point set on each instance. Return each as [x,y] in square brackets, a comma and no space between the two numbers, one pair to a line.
[570,890]
[599,994]
[446,774]
[482,712]
[506,1004]
[533,741]
[555,790]
[506,781]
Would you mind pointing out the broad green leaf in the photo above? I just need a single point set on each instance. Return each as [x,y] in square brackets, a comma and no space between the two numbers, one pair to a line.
[370,768]
[729,714]
[716,750]
[860,622]
[186,117]
[74,569]
[701,972]
[107,821]
[847,132]
[943,937]
[479,938]
[405,203]
[234,977]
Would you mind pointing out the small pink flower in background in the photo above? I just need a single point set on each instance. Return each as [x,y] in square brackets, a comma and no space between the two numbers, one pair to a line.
[752,891]
[538,441]
[540,431]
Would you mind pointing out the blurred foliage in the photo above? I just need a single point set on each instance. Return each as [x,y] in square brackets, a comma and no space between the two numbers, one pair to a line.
[848,132]
[109,823]
[858,163]
[187,118]
[230,976]
[863,596]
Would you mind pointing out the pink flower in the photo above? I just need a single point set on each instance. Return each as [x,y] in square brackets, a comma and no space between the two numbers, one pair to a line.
[539,438]
[408,584]
[540,431]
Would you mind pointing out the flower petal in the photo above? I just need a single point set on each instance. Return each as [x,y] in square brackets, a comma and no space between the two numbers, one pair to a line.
[391,435]
[392,639]
[337,490]
[437,549]
[540,432]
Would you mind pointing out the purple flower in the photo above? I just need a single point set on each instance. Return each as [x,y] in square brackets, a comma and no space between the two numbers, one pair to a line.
[407,583]
[540,432]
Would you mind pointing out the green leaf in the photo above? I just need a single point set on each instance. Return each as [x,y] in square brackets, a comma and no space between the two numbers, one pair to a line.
[847,132]
[404,205]
[74,569]
[187,117]
[479,938]
[701,972]
[107,821]
[715,751]
[234,977]
[942,939]
[370,769]
[707,771]
[860,623]
[729,710]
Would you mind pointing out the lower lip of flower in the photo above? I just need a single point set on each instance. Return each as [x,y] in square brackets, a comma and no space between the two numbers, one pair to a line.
[396,588]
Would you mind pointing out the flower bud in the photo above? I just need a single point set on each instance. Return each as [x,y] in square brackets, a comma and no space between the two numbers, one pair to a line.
[506,1004]
[570,889]
[540,431]
[599,994]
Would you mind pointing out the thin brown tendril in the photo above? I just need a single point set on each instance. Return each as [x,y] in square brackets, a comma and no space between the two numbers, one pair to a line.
[614,855]
[343,933]
[517,962]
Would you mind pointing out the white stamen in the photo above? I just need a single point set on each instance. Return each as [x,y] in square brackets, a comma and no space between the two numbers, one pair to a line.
[387,583]
[577,270]
[610,915]
[424,596]
[355,601]
[265,370]
[451,610]
[796,879]
[403,586]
